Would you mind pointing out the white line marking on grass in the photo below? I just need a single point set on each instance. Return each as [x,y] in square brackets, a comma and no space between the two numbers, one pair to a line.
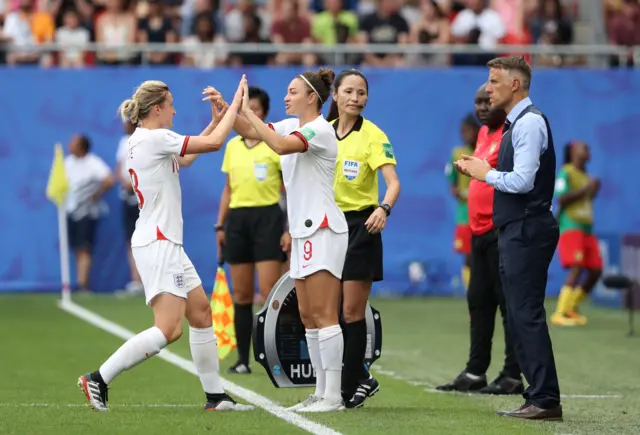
[183,363]
[432,389]
[86,405]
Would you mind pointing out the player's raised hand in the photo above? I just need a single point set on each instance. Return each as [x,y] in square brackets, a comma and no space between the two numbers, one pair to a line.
[237,98]
[218,105]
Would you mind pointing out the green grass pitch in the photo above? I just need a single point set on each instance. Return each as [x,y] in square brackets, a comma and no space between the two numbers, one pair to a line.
[425,343]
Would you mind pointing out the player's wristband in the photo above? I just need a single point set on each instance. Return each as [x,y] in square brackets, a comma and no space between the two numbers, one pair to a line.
[218,228]
[386,208]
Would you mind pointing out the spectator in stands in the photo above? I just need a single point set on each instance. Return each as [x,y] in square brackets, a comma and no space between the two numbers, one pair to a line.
[292,28]
[411,11]
[84,8]
[70,35]
[116,27]
[385,26]
[477,24]
[432,28]
[252,25]
[26,27]
[206,33]
[624,29]
[234,19]
[550,26]
[89,178]
[157,28]
[335,26]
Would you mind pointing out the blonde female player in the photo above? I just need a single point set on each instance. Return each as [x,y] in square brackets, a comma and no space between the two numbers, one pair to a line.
[171,284]
[308,149]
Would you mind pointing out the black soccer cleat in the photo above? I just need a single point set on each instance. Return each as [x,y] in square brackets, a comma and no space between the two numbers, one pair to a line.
[365,389]
[464,384]
[239,369]
[95,391]
[503,385]
[224,402]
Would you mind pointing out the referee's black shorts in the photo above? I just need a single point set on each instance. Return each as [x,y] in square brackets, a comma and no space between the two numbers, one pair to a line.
[364,254]
[252,234]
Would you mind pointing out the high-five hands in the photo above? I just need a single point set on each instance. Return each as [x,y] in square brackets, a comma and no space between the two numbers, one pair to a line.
[218,105]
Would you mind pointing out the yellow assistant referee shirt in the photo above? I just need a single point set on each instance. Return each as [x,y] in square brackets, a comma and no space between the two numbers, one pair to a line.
[254,174]
[360,153]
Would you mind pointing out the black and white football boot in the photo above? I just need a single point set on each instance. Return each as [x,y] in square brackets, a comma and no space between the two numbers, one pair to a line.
[367,388]
[95,390]
[224,402]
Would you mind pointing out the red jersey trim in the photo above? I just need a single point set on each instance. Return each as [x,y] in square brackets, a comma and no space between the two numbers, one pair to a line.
[324,223]
[271,126]
[159,235]
[302,138]
[184,145]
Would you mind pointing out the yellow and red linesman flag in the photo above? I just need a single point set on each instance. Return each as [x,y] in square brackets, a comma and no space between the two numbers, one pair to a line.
[223,314]
[58,185]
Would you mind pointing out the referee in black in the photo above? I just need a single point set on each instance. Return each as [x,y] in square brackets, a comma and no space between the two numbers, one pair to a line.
[527,230]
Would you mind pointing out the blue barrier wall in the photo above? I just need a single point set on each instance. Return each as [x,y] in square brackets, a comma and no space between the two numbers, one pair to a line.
[420,110]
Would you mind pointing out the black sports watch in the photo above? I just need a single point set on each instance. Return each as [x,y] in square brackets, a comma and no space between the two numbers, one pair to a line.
[386,208]
[218,228]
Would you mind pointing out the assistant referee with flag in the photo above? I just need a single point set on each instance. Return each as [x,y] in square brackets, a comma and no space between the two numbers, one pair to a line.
[363,150]
[527,230]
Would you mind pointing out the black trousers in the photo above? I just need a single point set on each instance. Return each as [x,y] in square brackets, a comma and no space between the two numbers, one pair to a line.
[484,296]
[526,248]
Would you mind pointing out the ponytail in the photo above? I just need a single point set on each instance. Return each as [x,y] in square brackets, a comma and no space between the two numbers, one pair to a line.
[333,111]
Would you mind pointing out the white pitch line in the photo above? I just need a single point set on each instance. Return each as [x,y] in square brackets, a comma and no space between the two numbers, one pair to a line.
[183,363]
[86,405]
[431,388]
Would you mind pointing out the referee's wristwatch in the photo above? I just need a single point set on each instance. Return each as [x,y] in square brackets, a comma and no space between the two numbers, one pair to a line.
[386,208]
[218,228]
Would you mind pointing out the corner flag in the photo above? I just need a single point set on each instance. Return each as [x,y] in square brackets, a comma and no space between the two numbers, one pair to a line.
[58,185]
[223,315]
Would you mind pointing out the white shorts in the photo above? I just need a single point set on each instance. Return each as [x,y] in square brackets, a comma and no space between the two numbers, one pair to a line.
[165,268]
[323,250]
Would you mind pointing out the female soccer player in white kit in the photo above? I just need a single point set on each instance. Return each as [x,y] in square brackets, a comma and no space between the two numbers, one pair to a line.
[172,286]
[308,148]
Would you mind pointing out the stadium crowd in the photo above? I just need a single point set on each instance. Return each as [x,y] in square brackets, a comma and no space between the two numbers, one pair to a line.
[486,23]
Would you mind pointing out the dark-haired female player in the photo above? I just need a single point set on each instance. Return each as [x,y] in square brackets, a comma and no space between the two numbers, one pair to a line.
[249,231]
[308,148]
[363,150]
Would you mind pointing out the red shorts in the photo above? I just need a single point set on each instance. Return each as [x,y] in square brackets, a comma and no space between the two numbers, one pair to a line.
[462,239]
[578,249]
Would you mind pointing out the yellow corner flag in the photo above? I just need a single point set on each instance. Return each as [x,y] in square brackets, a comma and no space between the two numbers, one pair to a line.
[223,315]
[58,185]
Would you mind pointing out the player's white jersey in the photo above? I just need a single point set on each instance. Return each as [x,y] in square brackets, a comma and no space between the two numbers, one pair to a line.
[308,178]
[154,172]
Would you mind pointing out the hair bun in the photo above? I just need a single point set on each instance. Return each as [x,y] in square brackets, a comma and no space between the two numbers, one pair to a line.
[327,76]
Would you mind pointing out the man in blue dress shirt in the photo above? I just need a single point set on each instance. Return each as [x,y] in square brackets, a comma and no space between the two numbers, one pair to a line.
[527,230]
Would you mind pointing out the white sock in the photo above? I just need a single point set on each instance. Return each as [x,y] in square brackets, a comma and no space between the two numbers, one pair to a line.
[331,350]
[314,354]
[204,351]
[135,350]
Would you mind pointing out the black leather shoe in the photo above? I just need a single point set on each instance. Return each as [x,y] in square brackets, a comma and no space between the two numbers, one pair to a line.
[503,385]
[532,412]
[464,383]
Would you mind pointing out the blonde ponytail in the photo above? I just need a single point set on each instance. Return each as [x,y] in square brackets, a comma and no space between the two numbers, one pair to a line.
[148,94]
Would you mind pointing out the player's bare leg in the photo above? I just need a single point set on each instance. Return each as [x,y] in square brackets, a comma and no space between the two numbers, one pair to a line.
[168,312]
[322,290]
[313,344]
[83,267]
[204,351]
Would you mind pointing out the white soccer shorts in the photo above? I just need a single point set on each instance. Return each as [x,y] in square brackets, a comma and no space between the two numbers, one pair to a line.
[164,267]
[323,250]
